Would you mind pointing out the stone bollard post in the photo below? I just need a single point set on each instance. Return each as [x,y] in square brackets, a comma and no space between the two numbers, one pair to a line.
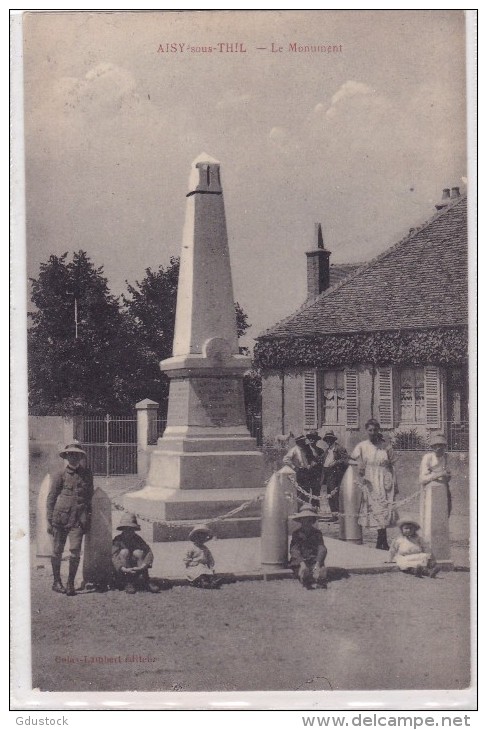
[146,433]
[274,524]
[43,540]
[350,498]
[434,522]
[97,554]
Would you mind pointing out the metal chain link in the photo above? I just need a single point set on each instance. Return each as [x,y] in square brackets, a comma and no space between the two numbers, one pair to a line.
[177,523]
[391,505]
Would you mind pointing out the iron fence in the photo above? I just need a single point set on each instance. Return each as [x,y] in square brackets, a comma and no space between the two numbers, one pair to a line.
[412,439]
[110,443]
[156,430]
[254,424]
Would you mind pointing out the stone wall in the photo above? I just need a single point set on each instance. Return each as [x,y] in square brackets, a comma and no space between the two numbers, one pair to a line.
[47,435]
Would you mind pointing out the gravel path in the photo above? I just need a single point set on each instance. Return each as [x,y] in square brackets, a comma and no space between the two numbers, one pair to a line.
[389,631]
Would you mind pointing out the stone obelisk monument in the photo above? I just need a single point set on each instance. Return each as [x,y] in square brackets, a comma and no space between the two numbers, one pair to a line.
[206,463]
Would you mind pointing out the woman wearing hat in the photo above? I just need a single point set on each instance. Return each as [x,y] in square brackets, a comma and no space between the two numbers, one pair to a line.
[378,483]
[434,467]
[132,557]
[410,552]
[199,562]
[68,513]
[307,550]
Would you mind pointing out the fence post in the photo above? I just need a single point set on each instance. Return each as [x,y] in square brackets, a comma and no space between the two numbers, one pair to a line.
[146,428]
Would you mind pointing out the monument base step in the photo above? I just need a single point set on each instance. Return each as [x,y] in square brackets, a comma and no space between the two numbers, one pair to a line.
[164,514]
[224,529]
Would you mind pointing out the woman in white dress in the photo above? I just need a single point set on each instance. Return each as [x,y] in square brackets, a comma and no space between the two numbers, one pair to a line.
[377,481]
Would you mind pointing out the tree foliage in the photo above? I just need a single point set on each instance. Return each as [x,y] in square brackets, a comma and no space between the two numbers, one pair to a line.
[74,366]
[441,346]
[113,362]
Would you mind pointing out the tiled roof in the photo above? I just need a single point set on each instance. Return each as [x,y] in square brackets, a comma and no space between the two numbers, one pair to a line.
[420,282]
[340,271]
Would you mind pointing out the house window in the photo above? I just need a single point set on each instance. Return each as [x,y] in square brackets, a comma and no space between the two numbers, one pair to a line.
[333,397]
[412,396]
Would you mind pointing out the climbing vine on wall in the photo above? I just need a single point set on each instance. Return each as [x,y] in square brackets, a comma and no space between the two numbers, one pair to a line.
[442,346]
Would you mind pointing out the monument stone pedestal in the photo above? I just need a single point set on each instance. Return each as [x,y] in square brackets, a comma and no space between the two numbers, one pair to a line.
[206,464]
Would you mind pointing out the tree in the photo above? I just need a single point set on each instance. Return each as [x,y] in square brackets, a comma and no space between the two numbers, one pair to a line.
[91,353]
[77,340]
[151,309]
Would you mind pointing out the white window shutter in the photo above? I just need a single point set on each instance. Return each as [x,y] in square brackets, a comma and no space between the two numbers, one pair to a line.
[310,400]
[351,398]
[432,396]
[386,407]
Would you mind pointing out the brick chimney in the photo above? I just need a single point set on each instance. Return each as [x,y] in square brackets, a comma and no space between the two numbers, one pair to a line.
[445,199]
[318,266]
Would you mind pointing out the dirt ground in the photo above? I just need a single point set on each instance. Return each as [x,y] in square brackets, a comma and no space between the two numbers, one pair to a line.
[387,631]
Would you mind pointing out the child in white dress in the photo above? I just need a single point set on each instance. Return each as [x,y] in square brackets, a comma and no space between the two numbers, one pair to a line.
[199,562]
[410,552]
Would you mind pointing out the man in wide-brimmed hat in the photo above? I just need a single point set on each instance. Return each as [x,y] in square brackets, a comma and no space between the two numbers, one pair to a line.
[335,462]
[434,467]
[68,513]
[305,460]
[307,550]
[132,557]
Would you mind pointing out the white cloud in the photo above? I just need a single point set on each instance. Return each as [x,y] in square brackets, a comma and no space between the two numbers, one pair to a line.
[346,90]
[281,140]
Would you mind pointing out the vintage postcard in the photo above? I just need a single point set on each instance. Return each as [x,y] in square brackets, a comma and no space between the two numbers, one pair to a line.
[245,464]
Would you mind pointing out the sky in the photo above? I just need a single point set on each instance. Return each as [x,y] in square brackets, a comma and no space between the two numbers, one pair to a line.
[362,140]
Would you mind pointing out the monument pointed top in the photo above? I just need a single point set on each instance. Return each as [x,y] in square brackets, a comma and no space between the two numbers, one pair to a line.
[205,175]
[205,158]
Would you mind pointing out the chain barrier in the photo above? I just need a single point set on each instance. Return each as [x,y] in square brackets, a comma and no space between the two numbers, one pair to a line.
[178,523]
[391,505]
[299,490]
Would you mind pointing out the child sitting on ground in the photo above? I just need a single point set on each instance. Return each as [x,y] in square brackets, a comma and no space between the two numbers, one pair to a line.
[199,561]
[410,552]
[132,558]
[308,551]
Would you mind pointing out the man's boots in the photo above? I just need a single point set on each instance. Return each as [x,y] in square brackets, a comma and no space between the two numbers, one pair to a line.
[56,574]
[73,567]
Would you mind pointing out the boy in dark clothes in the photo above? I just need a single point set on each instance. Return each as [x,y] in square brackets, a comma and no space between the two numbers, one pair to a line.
[132,558]
[68,513]
[308,551]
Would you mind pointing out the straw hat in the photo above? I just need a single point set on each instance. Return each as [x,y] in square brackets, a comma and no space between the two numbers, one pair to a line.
[128,520]
[437,439]
[200,529]
[329,435]
[73,448]
[408,521]
[313,436]
[306,513]
[300,439]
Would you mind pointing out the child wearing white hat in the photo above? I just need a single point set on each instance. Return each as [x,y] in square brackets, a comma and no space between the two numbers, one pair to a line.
[410,552]
[199,562]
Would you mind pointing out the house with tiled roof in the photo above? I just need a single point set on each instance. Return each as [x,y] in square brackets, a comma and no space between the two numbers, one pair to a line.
[385,339]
